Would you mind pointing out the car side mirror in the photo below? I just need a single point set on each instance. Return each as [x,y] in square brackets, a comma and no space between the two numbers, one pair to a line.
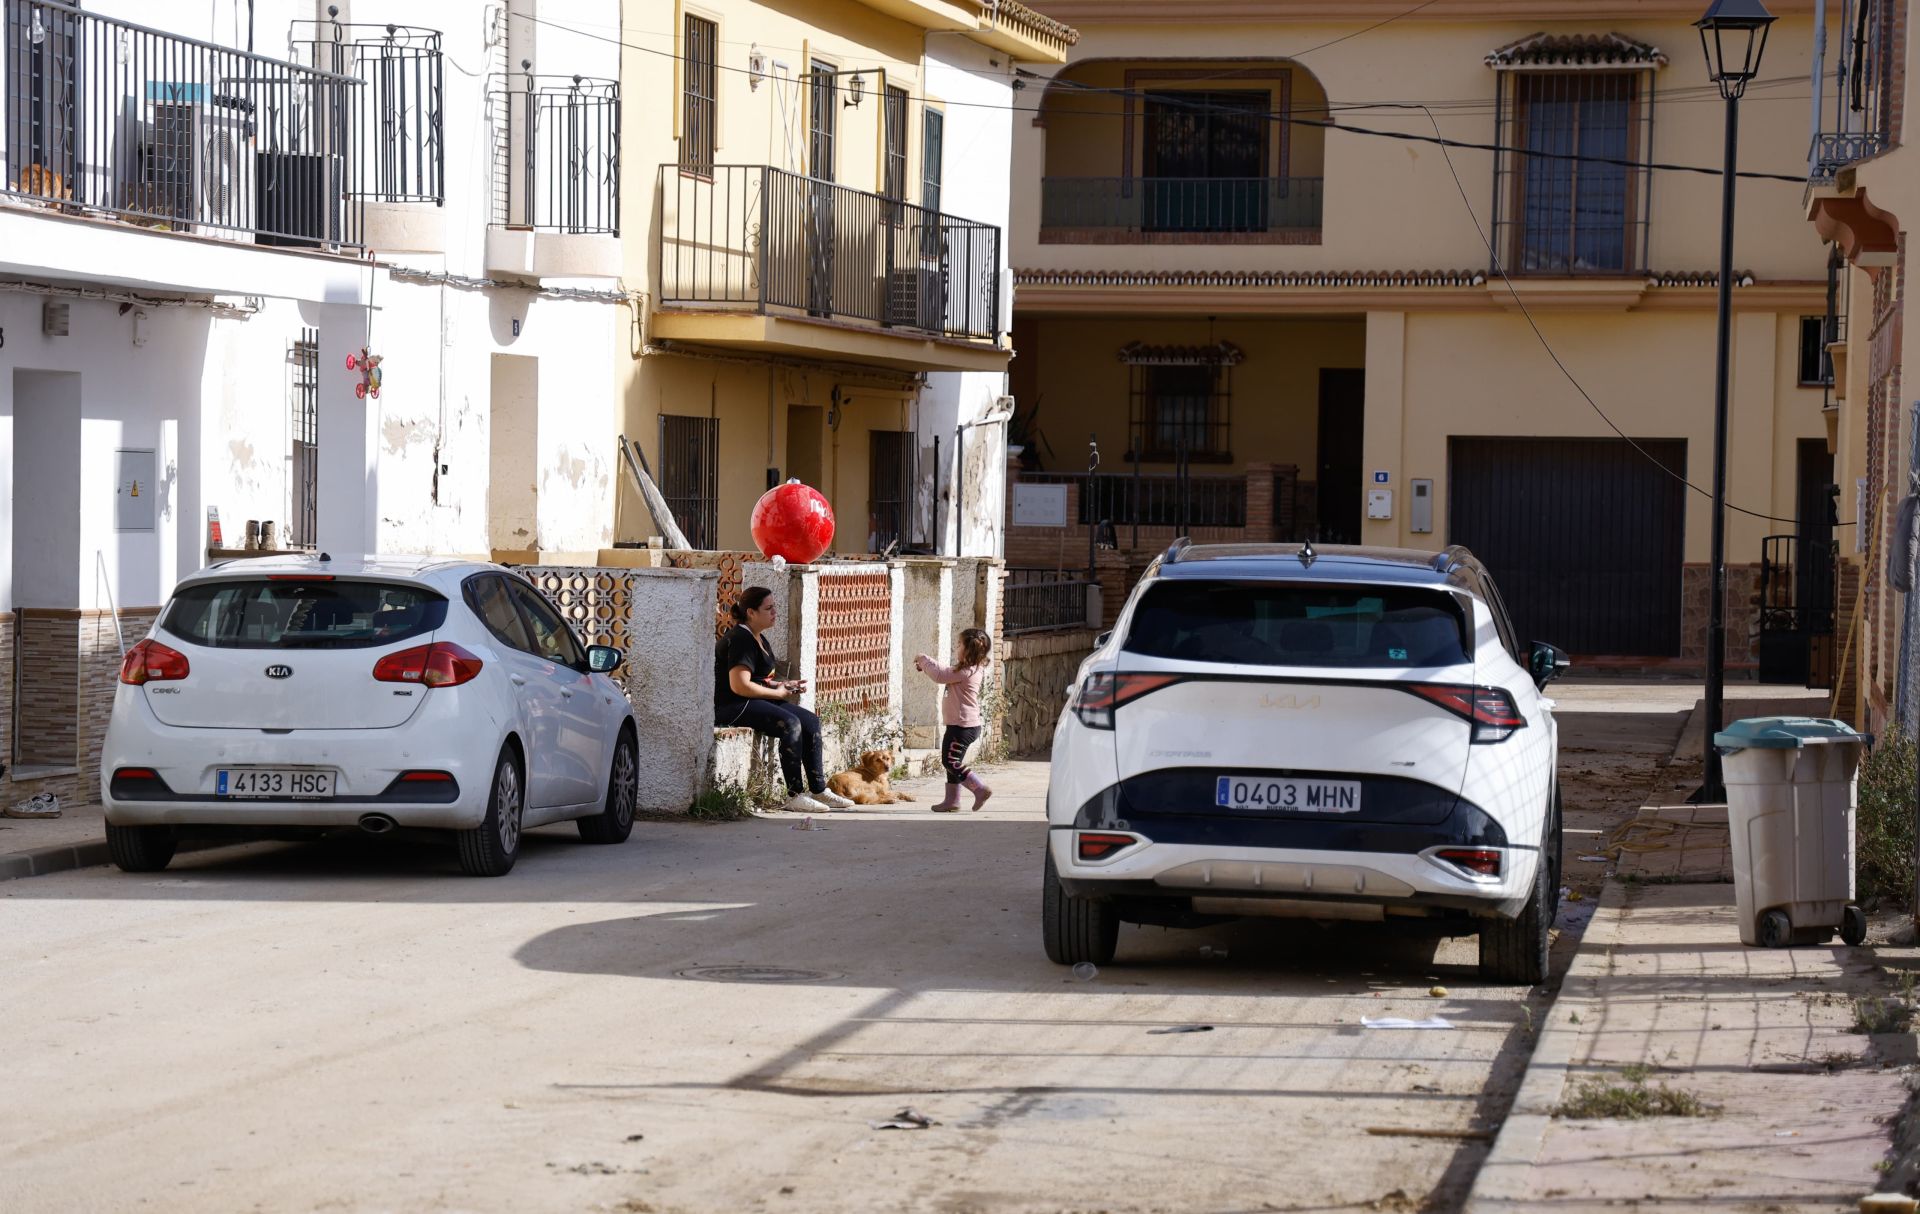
[1546,663]
[604,659]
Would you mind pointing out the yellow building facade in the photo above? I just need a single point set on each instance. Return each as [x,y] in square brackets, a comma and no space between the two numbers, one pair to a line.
[804,194]
[1349,272]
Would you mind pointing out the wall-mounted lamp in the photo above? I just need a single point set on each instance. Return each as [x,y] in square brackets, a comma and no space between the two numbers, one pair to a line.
[756,67]
[856,88]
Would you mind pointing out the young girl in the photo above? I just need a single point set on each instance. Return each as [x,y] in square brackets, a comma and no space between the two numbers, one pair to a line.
[960,710]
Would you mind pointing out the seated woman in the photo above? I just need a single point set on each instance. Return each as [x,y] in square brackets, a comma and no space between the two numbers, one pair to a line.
[746,694]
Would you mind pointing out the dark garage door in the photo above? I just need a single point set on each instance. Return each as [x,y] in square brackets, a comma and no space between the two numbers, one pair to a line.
[1584,537]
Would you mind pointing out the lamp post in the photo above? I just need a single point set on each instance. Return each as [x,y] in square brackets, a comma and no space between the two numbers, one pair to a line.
[1733,36]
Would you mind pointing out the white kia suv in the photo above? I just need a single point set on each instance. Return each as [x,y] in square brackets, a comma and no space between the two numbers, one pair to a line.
[1340,733]
[378,693]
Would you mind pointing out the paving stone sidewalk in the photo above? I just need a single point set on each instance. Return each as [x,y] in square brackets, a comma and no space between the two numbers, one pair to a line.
[1801,1105]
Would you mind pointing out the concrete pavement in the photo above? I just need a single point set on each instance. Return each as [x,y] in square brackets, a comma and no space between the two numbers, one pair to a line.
[711,1018]
[1798,1104]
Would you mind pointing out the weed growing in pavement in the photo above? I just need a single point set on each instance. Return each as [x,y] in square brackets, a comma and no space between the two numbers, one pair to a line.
[1874,1014]
[1883,827]
[722,803]
[1630,1099]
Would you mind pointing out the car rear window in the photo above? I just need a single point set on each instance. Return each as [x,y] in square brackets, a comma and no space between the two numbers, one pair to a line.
[1278,624]
[281,613]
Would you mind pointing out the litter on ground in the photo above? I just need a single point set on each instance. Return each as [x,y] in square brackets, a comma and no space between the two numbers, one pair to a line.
[1401,1022]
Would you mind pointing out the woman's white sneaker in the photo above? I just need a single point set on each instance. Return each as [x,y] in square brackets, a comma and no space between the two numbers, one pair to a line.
[801,803]
[832,800]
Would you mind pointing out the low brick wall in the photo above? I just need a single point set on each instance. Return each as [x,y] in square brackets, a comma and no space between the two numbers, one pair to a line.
[67,701]
[1034,674]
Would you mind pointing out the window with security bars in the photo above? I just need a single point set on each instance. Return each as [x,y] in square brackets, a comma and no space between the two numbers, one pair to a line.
[822,118]
[889,488]
[933,149]
[303,399]
[700,71]
[1182,413]
[1816,367]
[1571,183]
[690,476]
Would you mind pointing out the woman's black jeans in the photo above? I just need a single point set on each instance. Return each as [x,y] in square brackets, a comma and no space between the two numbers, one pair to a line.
[798,732]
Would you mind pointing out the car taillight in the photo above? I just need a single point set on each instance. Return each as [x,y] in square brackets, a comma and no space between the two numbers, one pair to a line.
[152,662]
[1476,861]
[426,777]
[1104,691]
[1491,710]
[441,664]
[1099,844]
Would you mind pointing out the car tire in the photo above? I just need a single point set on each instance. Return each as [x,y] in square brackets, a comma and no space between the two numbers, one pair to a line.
[1076,929]
[1555,845]
[614,823]
[489,849]
[1515,950]
[141,849]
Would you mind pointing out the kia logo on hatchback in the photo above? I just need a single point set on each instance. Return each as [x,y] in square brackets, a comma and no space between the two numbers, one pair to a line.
[279,672]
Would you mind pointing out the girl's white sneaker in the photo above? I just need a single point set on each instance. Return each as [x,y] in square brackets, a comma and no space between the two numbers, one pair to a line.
[832,800]
[801,803]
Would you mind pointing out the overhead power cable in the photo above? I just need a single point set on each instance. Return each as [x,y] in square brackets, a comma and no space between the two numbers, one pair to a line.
[1291,119]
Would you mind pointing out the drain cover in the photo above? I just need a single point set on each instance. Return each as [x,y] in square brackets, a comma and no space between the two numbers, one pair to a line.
[754,973]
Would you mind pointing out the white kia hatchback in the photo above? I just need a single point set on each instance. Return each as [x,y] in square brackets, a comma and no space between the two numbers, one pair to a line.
[378,693]
[1347,733]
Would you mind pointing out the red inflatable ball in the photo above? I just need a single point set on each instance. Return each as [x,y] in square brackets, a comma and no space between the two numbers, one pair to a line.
[793,521]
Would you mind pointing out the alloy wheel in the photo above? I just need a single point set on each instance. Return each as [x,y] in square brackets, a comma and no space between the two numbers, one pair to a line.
[626,783]
[506,794]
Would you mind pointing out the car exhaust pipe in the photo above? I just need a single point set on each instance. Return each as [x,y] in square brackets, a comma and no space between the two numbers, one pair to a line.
[377,824]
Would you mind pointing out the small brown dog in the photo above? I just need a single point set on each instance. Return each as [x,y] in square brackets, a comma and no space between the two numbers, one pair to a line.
[866,783]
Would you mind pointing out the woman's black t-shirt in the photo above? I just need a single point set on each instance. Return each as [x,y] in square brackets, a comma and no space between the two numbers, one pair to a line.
[738,648]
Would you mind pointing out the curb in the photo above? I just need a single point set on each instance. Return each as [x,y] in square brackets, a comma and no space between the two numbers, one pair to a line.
[1503,1182]
[44,861]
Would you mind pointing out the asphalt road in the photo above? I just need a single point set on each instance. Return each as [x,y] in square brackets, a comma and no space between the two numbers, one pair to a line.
[709,1018]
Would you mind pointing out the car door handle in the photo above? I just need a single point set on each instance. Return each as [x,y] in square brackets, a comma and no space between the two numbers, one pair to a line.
[518,680]
[566,693]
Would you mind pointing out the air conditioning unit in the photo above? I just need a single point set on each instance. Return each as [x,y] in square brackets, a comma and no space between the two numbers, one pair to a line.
[917,298]
[199,165]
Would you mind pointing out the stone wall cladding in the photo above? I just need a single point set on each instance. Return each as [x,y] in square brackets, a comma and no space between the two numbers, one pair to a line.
[1035,674]
[661,619]
[1742,614]
[100,656]
[7,626]
[856,637]
[47,701]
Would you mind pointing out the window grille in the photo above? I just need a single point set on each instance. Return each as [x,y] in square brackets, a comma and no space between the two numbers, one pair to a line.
[1571,197]
[699,137]
[690,476]
[303,398]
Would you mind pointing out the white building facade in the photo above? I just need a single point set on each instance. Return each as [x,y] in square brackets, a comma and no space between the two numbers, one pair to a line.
[194,239]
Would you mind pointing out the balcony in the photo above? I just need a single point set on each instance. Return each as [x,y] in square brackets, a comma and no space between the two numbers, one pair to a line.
[556,178]
[759,258]
[397,170]
[1175,210]
[109,120]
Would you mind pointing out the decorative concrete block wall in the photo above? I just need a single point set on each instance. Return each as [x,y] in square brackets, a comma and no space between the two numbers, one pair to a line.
[1037,669]
[856,637]
[663,620]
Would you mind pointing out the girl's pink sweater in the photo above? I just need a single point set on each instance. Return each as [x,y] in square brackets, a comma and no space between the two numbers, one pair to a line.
[960,703]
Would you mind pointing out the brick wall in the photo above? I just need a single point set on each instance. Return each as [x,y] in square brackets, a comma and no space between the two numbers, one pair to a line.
[70,661]
[100,654]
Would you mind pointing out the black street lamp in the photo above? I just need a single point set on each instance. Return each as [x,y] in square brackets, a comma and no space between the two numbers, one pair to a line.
[1733,35]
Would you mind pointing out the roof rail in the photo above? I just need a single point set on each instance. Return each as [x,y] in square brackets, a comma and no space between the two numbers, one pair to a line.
[1175,549]
[1452,557]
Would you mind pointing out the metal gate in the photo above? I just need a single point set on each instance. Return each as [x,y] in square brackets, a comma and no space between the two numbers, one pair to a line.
[1584,536]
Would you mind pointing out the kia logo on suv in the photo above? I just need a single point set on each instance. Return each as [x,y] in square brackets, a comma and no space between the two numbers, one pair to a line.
[279,672]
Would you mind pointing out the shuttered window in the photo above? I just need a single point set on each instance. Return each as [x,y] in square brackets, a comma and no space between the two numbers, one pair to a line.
[699,137]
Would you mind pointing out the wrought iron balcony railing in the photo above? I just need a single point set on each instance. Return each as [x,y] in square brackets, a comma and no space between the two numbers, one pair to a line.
[1834,151]
[557,167]
[773,241]
[1180,204]
[393,122]
[107,118]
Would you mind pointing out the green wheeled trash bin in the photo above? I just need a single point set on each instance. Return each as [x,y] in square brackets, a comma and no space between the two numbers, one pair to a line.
[1790,805]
